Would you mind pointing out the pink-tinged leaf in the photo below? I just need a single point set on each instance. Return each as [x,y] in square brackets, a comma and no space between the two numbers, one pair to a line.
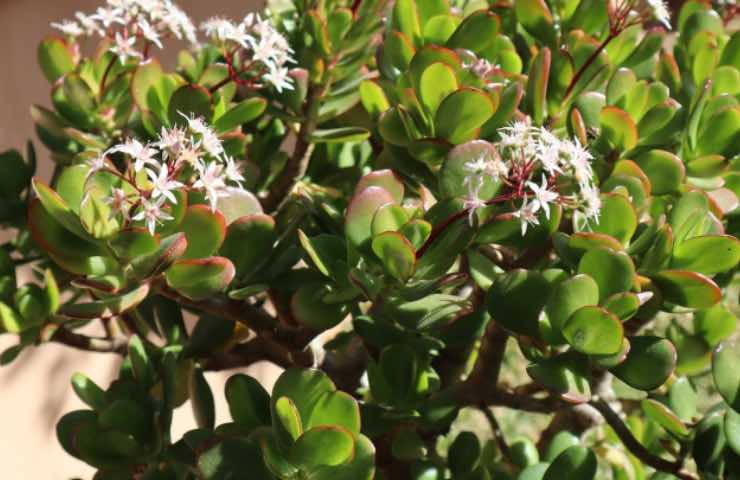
[200,278]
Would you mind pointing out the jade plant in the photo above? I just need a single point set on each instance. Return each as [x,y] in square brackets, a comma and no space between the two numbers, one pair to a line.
[483,239]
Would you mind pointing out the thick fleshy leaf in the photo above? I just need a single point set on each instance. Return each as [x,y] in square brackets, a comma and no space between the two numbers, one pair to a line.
[539,75]
[575,463]
[389,218]
[406,19]
[453,173]
[709,440]
[58,208]
[327,252]
[249,403]
[201,399]
[134,242]
[360,212]
[613,271]
[617,217]
[461,113]
[618,128]
[726,373]
[444,249]
[565,375]
[732,430]
[664,169]
[476,32]
[535,17]
[248,243]
[204,229]
[464,453]
[649,363]
[325,445]
[623,305]
[416,231]
[241,113]
[308,307]
[340,135]
[663,415]
[594,331]
[144,83]
[396,253]
[88,391]
[568,296]
[386,179]
[714,324]
[189,100]
[682,398]
[708,254]
[373,98]
[516,299]
[55,57]
[107,307]
[687,289]
[170,249]
[437,82]
[200,278]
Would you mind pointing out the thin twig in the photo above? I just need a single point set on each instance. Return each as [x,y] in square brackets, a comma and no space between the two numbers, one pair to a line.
[498,435]
[637,449]
[90,344]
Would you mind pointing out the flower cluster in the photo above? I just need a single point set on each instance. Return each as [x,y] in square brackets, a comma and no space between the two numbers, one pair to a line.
[131,22]
[182,158]
[262,51]
[643,10]
[538,170]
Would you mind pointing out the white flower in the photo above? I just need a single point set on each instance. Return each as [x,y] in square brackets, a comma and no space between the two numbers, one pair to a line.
[189,154]
[151,213]
[232,173]
[97,163]
[481,68]
[210,179]
[543,196]
[208,138]
[68,27]
[163,184]
[109,16]
[660,12]
[149,33]
[118,203]
[142,154]
[279,79]
[473,203]
[591,202]
[171,141]
[124,48]
[88,23]
[527,215]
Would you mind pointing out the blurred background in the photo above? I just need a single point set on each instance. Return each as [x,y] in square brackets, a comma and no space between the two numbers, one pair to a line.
[35,388]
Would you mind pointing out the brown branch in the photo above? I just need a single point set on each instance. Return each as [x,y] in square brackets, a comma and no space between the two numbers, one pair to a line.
[89,344]
[498,435]
[246,354]
[637,449]
[297,164]
[280,337]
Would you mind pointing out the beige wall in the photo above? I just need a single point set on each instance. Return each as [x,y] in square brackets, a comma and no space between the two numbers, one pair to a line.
[35,389]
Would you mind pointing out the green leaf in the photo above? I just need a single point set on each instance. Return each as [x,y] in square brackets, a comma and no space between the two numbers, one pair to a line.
[325,445]
[618,128]
[55,57]
[437,82]
[687,289]
[612,271]
[204,229]
[243,112]
[624,305]
[452,176]
[664,169]
[709,440]
[406,19]
[327,253]
[134,242]
[287,414]
[340,135]
[230,458]
[720,133]
[189,100]
[389,218]
[201,399]
[88,391]
[373,98]
[476,32]
[386,179]
[305,387]
[565,375]
[594,331]
[682,398]
[464,453]
[732,430]
[663,415]
[714,324]
[539,75]
[575,463]
[170,249]
[200,278]
[516,299]
[568,296]
[16,175]
[258,232]
[708,254]
[309,309]
[726,374]
[107,307]
[442,252]
[396,253]
[144,86]
[143,371]
[617,217]
[249,403]
[58,208]
[360,212]
[461,113]
[649,363]
[559,443]
[535,17]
